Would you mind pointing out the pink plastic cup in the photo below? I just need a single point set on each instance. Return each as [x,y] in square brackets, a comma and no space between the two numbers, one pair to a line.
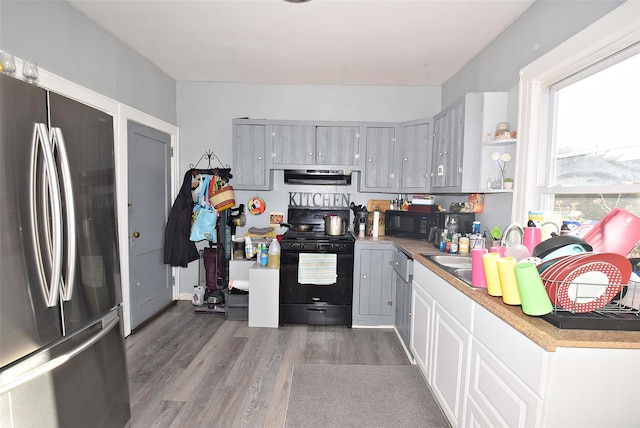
[500,249]
[478,278]
[532,237]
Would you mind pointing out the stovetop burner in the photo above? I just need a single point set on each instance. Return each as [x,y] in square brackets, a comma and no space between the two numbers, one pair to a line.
[316,236]
[315,218]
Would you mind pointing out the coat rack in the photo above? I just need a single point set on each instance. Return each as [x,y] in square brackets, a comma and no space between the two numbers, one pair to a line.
[224,173]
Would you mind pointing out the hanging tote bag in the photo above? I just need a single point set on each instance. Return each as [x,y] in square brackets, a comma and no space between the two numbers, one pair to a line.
[204,217]
[222,195]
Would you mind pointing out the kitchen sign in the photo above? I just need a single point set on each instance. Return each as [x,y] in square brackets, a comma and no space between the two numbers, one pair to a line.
[319,200]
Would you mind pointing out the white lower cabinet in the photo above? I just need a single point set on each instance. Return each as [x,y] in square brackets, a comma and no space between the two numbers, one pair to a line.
[496,396]
[440,340]
[449,363]
[484,373]
[421,326]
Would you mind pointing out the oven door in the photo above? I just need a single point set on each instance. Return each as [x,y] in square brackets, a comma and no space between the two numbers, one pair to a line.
[317,276]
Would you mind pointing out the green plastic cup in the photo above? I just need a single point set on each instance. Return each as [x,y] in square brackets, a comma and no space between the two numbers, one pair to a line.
[533,296]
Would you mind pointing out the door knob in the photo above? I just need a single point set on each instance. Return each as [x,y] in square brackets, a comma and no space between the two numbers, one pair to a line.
[136,234]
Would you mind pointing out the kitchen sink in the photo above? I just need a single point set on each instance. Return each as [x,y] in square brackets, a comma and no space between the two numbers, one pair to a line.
[451,261]
[457,265]
[463,274]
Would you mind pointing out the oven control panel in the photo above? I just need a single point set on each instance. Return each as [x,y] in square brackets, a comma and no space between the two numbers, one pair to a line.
[317,247]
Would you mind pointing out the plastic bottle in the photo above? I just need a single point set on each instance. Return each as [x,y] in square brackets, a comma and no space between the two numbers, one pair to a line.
[463,245]
[443,241]
[274,254]
[453,226]
[248,247]
[263,256]
[454,244]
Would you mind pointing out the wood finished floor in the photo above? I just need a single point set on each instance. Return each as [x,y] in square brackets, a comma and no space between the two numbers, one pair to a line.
[198,370]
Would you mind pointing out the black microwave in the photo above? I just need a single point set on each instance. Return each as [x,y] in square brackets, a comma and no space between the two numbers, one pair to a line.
[409,224]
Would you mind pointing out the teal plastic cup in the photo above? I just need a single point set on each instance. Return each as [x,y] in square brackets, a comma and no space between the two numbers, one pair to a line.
[533,296]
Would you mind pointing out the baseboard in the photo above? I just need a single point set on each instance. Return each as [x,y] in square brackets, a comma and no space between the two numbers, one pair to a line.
[147,321]
[406,350]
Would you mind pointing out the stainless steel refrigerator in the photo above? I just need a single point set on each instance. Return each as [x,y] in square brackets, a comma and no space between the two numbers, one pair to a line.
[62,360]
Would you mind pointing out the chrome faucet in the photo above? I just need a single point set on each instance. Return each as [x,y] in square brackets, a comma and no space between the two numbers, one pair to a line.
[506,232]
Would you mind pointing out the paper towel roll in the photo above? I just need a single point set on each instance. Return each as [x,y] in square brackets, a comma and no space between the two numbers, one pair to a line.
[240,284]
[376,224]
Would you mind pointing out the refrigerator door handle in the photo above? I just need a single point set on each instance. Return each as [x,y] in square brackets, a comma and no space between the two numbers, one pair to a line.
[41,146]
[57,143]
[109,322]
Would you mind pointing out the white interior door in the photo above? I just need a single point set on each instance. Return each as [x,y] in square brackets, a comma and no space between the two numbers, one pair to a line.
[149,170]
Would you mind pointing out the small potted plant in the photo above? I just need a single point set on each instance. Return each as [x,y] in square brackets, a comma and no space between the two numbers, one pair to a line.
[508,183]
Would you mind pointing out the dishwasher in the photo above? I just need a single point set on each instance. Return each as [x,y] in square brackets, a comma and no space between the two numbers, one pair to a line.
[403,269]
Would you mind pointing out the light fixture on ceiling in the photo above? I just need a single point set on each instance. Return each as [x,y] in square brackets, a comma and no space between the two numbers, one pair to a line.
[297,1]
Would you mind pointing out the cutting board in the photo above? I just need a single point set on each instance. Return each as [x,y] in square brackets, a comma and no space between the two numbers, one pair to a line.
[382,204]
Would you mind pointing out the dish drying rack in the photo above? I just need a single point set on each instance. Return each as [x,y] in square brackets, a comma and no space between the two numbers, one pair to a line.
[620,309]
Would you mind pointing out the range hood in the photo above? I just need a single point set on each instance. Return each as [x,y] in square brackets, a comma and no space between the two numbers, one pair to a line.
[317,176]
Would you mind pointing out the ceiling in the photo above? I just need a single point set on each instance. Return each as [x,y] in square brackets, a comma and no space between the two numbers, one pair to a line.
[324,42]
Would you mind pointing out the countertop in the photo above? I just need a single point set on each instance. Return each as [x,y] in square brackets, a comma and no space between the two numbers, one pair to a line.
[538,330]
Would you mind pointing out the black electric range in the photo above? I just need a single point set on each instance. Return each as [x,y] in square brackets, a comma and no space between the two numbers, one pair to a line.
[316,271]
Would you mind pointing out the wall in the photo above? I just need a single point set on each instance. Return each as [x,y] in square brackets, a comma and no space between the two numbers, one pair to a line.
[205,111]
[66,43]
[542,27]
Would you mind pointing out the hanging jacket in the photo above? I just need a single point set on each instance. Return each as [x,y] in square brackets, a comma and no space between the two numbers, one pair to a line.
[178,249]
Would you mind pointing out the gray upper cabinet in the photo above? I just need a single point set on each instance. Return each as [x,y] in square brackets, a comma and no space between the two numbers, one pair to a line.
[293,144]
[415,166]
[250,168]
[308,144]
[379,168]
[457,146]
[338,145]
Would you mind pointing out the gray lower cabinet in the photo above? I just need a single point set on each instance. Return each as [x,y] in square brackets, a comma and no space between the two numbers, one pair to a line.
[373,284]
[379,172]
[251,170]
[403,273]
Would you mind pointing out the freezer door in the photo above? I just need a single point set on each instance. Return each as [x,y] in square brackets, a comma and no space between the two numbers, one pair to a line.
[81,381]
[26,321]
[92,271]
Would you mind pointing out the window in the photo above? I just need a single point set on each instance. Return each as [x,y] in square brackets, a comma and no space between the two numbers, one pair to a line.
[579,123]
[594,137]
[595,128]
